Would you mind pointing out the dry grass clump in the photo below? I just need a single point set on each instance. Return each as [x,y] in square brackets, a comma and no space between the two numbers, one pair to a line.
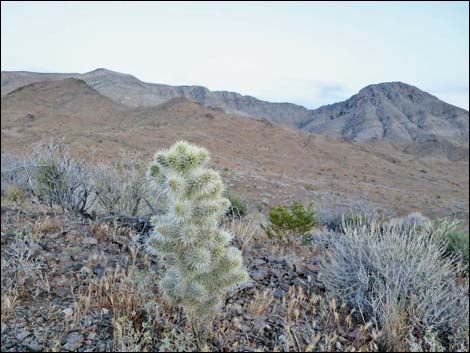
[21,263]
[245,230]
[400,278]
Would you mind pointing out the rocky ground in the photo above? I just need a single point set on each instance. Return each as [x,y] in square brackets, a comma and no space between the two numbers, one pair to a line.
[75,285]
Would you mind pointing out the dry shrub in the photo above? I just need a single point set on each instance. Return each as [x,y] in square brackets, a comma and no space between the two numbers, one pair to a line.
[13,173]
[22,267]
[401,278]
[122,188]
[58,179]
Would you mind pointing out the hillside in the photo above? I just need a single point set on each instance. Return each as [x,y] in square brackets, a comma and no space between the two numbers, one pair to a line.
[395,111]
[132,92]
[265,162]
[413,120]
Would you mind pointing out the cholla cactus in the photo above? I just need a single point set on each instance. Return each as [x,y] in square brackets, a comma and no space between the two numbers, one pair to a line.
[200,266]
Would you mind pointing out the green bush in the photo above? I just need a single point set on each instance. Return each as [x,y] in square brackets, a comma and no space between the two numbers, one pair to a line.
[237,207]
[287,221]
[50,179]
[458,244]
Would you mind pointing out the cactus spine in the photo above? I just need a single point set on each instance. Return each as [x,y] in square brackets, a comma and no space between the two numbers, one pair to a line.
[200,264]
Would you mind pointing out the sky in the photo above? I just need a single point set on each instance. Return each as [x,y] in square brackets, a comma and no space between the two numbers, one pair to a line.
[306,53]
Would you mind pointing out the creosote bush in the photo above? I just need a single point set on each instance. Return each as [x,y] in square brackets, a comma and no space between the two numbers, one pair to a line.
[289,221]
[458,243]
[200,264]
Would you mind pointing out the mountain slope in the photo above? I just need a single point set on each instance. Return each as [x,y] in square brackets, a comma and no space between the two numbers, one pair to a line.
[395,111]
[265,162]
[413,120]
[48,104]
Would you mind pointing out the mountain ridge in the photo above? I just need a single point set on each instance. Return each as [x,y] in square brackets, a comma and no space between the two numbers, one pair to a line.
[396,111]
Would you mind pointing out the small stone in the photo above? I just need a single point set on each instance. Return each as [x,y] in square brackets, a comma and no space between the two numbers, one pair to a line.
[68,312]
[279,293]
[74,341]
[53,235]
[98,270]
[341,331]
[298,282]
[250,289]
[90,241]
[218,343]
[22,334]
[258,262]
[258,275]
[34,347]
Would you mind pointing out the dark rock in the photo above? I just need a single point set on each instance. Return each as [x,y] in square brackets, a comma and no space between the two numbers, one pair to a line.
[279,294]
[99,270]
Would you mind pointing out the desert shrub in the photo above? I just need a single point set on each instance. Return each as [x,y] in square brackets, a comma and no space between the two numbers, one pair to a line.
[458,244]
[59,179]
[121,187]
[331,209]
[13,172]
[200,264]
[413,220]
[400,278]
[289,221]
[237,207]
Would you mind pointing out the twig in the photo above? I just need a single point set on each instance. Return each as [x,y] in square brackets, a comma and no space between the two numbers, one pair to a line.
[295,338]
[150,206]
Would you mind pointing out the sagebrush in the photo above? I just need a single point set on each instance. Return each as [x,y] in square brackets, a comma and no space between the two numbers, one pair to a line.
[401,278]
